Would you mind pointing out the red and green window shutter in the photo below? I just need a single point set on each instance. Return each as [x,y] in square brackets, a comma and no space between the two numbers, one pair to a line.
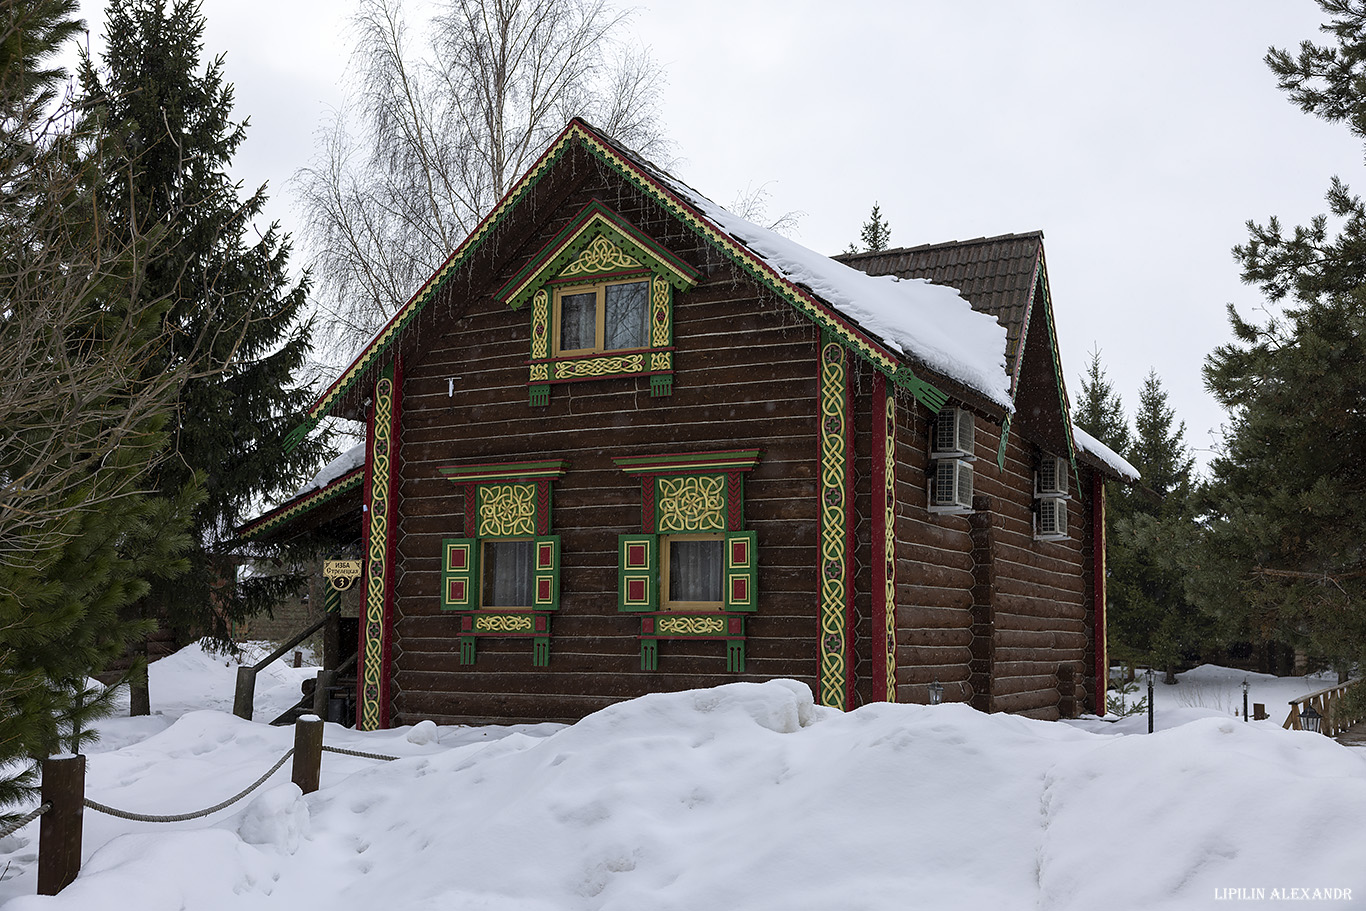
[740,590]
[460,574]
[638,574]
[546,587]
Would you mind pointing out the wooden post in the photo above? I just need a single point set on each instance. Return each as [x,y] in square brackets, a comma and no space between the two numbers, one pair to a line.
[298,658]
[326,681]
[59,833]
[1258,711]
[246,693]
[308,752]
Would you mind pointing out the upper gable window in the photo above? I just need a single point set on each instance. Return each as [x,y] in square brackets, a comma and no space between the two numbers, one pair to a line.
[607,316]
[601,300]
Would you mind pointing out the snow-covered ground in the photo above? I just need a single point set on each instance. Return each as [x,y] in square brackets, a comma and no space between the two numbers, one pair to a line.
[741,797]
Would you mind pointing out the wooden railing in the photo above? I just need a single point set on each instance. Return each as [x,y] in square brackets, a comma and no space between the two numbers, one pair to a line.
[1329,703]
[246,676]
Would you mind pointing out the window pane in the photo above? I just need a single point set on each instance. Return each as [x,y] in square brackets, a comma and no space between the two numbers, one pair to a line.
[578,318]
[507,573]
[627,315]
[695,570]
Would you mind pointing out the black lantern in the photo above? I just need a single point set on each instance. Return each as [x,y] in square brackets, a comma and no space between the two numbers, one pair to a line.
[1311,720]
[936,693]
[1245,699]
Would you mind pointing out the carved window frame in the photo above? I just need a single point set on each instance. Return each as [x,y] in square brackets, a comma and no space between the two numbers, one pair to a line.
[502,502]
[598,247]
[684,495]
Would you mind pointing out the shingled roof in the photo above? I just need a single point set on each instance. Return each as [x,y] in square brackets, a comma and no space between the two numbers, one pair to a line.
[995,274]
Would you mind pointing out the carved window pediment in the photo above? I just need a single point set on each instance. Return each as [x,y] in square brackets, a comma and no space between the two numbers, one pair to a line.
[601,302]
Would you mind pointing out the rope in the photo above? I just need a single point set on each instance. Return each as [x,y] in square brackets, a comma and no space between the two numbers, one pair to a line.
[182,817]
[15,827]
[378,756]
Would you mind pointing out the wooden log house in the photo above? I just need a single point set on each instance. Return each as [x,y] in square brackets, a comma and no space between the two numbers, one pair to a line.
[624,442]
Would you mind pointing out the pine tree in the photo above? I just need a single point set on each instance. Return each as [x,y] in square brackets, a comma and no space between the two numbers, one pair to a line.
[235,323]
[82,427]
[876,234]
[1283,554]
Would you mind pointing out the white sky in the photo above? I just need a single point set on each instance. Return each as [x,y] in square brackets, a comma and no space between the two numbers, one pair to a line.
[1140,137]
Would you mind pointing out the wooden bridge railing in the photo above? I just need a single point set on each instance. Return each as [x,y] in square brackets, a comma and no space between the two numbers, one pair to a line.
[1329,703]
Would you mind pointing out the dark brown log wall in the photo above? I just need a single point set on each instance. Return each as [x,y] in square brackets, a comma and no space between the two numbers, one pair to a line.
[745,377]
[978,592]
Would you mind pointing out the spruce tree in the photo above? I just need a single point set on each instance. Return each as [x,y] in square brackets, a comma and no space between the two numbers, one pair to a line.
[82,427]
[1283,554]
[1153,618]
[235,324]
[876,234]
[1101,412]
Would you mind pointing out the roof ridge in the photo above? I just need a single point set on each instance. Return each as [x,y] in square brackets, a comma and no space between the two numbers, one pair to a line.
[975,241]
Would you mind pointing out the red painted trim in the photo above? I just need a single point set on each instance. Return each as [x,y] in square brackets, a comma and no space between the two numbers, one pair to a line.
[471,509]
[1098,589]
[879,565]
[647,503]
[850,561]
[391,549]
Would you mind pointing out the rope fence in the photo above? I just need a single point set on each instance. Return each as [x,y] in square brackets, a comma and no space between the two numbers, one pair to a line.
[198,814]
[59,840]
[25,820]
[380,756]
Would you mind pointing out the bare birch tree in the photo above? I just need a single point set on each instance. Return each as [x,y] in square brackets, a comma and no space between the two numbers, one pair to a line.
[439,124]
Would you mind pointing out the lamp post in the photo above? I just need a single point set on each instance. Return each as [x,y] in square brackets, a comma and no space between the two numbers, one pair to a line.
[1245,699]
[1149,675]
[936,693]
[1311,720]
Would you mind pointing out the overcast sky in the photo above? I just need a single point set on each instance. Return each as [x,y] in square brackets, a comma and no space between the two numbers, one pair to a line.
[1139,137]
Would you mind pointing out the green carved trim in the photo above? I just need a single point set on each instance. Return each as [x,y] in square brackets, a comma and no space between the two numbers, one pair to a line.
[834,530]
[690,462]
[379,514]
[490,624]
[601,365]
[503,471]
[1001,450]
[594,225]
[691,503]
[288,512]
[506,510]
[691,626]
[1041,278]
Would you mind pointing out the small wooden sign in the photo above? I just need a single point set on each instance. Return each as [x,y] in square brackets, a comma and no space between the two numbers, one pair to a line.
[341,574]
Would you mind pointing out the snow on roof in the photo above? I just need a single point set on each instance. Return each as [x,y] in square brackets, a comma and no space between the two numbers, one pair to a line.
[345,463]
[932,323]
[1087,443]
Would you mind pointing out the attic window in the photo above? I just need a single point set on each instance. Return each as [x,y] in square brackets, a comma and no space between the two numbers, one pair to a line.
[601,300]
[607,316]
